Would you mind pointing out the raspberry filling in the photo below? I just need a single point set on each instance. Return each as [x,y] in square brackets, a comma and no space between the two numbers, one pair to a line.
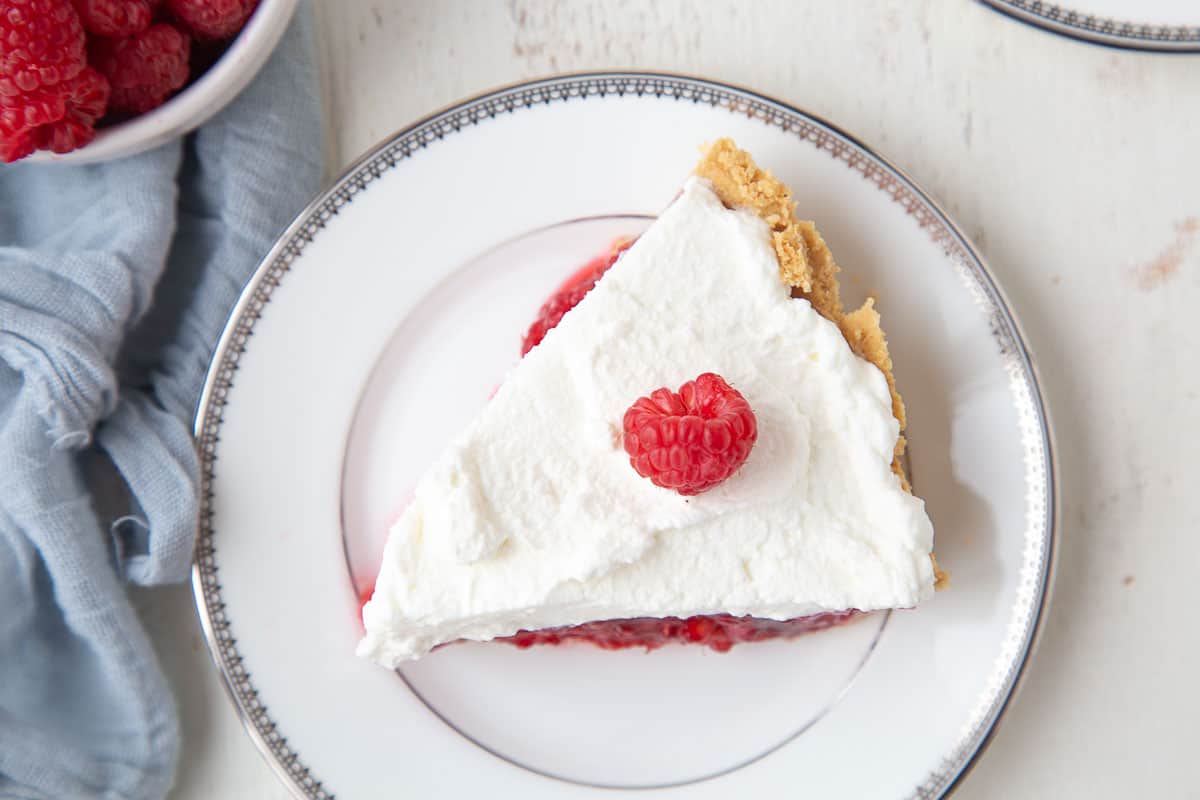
[718,631]
[570,293]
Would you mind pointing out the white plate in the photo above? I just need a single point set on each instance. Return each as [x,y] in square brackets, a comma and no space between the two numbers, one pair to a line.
[1163,25]
[382,320]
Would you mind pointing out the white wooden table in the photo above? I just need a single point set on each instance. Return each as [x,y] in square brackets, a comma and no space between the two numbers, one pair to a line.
[1075,168]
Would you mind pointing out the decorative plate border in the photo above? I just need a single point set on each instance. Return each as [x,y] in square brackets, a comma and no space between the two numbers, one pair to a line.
[1101,30]
[1041,509]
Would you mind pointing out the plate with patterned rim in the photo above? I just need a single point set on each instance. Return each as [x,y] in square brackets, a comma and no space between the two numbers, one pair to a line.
[1170,26]
[380,322]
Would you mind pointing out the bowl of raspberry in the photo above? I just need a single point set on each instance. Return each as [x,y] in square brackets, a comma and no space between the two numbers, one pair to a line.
[83,81]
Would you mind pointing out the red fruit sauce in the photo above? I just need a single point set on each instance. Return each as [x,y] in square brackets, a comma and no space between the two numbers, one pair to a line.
[718,631]
[568,295]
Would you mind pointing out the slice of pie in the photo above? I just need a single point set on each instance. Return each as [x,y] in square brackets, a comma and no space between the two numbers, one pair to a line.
[558,515]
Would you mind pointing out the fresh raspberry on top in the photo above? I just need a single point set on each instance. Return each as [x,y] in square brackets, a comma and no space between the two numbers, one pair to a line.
[41,46]
[570,293]
[116,19]
[693,439]
[213,19]
[143,69]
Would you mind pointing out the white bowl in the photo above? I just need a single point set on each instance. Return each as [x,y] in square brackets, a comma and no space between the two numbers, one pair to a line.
[203,98]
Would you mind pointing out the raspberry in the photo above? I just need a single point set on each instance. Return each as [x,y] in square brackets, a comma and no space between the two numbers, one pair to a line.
[213,19]
[143,69]
[87,96]
[60,120]
[41,45]
[86,101]
[698,629]
[65,135]
[117,19]
[693,439]
[22,119]
[570,293]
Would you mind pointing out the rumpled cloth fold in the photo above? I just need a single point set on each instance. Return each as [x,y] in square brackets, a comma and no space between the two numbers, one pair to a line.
[115,282]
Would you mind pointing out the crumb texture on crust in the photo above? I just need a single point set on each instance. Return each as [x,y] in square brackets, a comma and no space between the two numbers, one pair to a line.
[805,264]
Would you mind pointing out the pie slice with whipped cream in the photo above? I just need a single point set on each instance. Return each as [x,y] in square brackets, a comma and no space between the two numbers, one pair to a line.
[553,517]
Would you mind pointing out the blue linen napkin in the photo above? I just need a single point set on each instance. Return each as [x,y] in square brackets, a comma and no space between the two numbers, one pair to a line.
[115,282]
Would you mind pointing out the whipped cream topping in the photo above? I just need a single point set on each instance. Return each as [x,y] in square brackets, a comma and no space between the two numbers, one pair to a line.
[534,518]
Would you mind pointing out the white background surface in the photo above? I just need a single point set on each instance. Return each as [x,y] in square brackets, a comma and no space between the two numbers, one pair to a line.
[1075,169]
